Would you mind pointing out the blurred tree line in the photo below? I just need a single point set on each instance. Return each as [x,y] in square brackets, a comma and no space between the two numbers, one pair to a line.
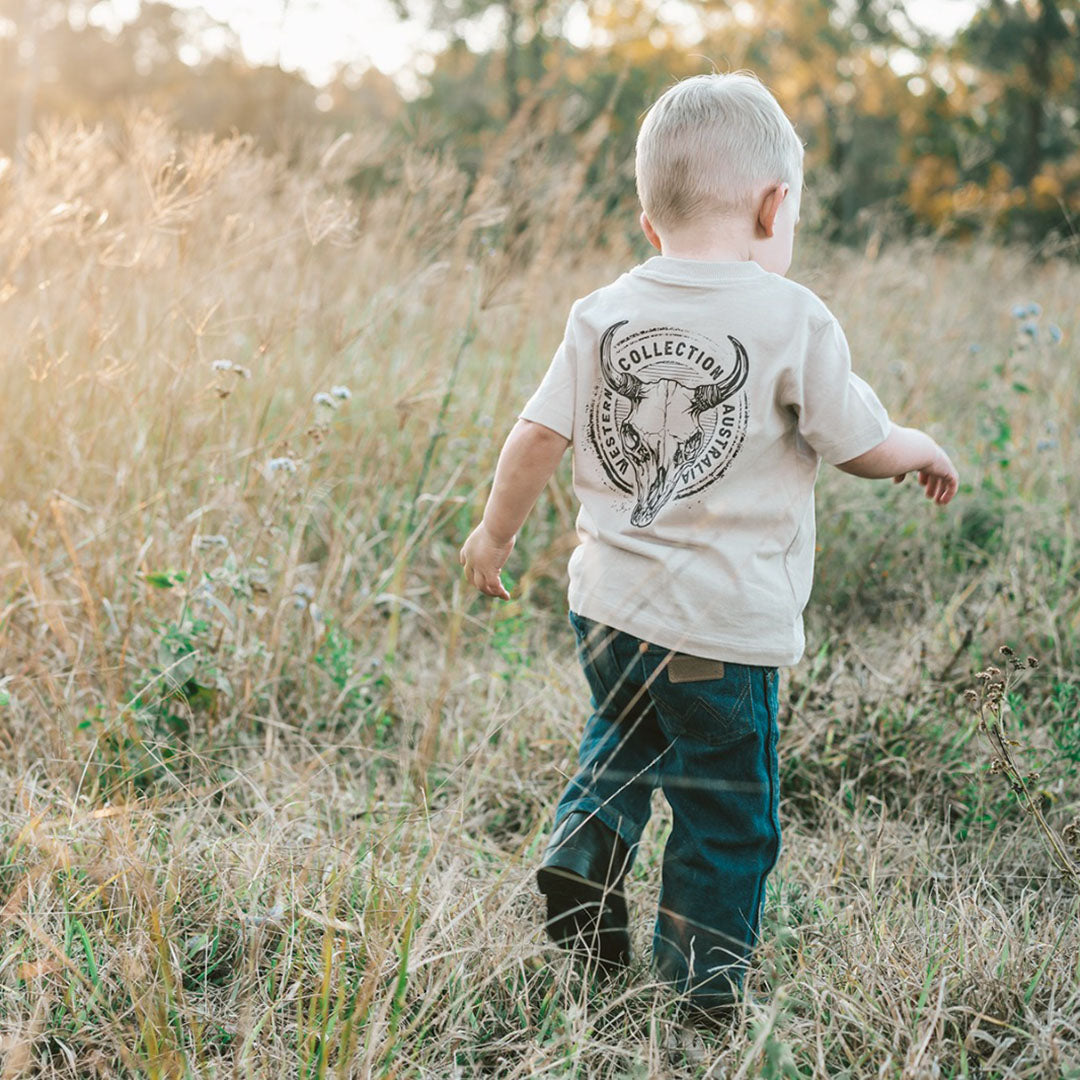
[58,59]
[903,131]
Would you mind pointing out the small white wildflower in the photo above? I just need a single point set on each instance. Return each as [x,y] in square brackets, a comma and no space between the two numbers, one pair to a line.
[343,393]
[236,369]
[281,464]
[323,398]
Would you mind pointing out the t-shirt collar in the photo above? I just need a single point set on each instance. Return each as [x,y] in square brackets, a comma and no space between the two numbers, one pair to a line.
[697,271]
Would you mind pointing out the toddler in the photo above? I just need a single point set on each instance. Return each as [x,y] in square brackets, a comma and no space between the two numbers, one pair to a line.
[700,390]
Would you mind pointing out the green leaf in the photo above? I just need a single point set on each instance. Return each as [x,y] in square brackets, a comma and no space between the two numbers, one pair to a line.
[197,943]
[1021,388]
[198,696]
[88,950]
[5,699]
[165,579]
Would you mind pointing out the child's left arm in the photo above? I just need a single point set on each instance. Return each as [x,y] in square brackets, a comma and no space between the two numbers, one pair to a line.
[528,458]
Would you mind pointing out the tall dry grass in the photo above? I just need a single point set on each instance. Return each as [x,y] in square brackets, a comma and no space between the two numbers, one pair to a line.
[273,784]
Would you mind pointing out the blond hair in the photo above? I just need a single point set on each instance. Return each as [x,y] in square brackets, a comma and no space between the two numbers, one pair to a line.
[710,145]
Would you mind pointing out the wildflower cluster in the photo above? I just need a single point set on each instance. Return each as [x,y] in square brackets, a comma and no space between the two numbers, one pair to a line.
[281,464]
[325,403]
[235,369]
[1027,316]
[989,700]
[227,367]
[330,400]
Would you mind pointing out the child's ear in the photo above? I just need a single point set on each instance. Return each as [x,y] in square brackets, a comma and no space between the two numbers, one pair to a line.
[649,231]
[770,207]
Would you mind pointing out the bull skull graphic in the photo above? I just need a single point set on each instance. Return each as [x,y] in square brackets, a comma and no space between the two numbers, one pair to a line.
[662,435]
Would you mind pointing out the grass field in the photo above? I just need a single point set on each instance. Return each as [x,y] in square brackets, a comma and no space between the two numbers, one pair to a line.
[273,783]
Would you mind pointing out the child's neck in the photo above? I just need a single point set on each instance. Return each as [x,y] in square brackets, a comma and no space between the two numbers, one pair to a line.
[707,252]
[709,243]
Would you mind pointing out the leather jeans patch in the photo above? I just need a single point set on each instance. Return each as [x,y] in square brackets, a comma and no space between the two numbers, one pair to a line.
[684,669]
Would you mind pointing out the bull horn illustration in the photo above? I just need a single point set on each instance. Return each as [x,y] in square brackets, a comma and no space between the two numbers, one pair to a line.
[711,394]
[621,382]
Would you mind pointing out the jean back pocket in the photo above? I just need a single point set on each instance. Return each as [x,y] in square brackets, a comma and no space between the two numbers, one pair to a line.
[717,710]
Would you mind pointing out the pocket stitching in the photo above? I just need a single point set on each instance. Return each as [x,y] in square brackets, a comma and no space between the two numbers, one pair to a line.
[729,732]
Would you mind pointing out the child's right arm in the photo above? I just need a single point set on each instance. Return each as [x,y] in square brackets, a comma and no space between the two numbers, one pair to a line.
[529,456]
[908,450]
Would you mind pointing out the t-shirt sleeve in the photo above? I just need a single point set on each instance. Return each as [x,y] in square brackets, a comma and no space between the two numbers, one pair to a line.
[553,402]
[840,416]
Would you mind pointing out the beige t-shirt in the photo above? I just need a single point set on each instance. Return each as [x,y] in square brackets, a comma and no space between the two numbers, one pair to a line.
[700,398]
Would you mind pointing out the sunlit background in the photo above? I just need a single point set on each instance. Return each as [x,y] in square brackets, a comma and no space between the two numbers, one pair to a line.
[949,115]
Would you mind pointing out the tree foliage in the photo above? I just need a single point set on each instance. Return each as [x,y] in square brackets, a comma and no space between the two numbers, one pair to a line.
[902,130]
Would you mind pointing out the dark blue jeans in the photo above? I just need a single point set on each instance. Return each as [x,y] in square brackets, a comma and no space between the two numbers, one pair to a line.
[710,745]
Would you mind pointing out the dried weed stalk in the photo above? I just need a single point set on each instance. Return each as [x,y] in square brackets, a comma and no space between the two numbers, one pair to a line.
[989,699]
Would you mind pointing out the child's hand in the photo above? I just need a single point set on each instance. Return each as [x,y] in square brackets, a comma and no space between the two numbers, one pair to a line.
[940,478]
[483,558]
